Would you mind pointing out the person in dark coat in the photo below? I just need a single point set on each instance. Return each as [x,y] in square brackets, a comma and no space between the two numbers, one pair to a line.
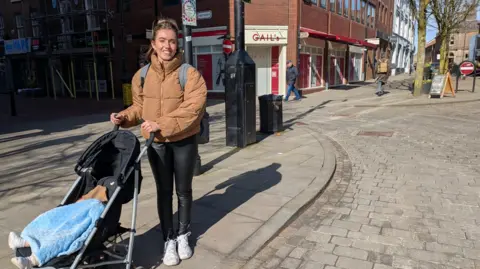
[292,74]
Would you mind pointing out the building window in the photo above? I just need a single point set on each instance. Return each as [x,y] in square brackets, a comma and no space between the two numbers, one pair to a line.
[35,24]
[452,40]
[363,11]
[315,2]
[332,5]
[339,6]
[358,11]
[353,13]
[93,20]
[323,3]
[2,28]
[373,17]
[346,7]
[66,21]
[20,26]
[466,56]
[369,14]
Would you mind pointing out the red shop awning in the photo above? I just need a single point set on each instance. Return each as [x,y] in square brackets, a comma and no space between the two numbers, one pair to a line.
[337,38]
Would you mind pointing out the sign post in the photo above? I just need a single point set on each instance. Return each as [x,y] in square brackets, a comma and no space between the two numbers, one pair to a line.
[240,88]
[467,68]
[189,18]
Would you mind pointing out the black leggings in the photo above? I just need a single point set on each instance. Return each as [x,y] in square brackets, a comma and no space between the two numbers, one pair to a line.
[169,161]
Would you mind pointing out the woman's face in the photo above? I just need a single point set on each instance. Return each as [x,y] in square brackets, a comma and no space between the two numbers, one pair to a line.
[165,44]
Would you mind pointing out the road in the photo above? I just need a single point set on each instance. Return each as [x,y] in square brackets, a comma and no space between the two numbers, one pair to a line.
[406,193]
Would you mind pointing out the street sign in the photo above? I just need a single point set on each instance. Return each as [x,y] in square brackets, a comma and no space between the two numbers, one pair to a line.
[189,12]
[204,15]
[227,46]
[304,34]
[467,68]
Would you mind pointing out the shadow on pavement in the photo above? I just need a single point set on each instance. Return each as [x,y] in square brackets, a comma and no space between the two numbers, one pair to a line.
[208,211]
[290,122]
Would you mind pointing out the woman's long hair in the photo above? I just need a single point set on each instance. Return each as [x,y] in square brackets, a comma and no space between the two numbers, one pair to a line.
[161,24]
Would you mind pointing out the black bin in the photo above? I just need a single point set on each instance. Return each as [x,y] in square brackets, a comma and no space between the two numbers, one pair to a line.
[271,113]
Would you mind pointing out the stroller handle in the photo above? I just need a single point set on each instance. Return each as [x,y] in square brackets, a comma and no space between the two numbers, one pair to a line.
[149,140]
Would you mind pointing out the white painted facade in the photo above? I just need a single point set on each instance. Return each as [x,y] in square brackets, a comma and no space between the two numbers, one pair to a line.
[403,37]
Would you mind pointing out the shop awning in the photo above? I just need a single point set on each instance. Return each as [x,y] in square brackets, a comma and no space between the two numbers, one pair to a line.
[337,38]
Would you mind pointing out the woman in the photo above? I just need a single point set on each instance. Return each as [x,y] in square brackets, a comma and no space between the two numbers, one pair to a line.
[175,115]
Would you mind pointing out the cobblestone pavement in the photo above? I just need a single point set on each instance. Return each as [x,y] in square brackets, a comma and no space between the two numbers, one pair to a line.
[407,199]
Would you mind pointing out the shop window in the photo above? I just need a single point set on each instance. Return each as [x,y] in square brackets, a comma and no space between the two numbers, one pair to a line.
[203,49]
[20,26]
[217,48]
[2,28]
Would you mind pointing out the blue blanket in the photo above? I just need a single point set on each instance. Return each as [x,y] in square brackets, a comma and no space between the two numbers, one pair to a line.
[62,230]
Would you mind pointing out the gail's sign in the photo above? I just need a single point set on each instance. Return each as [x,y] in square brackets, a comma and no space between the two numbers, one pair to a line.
[261,35]
[265,37]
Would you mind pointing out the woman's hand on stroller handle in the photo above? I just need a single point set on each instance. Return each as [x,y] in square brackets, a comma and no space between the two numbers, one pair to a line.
[116,127]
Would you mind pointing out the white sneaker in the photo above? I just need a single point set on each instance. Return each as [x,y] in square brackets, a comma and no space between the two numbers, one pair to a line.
[184,250]
[170,255]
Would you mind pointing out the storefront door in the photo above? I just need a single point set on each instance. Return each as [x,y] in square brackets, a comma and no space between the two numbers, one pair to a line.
[262,58]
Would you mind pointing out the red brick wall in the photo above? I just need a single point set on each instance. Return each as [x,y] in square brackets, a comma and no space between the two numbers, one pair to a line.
[312,15]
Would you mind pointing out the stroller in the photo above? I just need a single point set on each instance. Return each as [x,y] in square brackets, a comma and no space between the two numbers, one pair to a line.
[112,161]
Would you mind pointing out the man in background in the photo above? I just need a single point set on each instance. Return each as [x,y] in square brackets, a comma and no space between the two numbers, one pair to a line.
[292,74]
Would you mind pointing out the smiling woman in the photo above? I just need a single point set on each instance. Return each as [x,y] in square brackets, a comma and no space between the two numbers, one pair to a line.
[173,112]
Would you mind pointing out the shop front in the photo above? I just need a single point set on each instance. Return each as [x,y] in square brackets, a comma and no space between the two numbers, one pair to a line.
[267,46]
[208,56]
[344,62]
[336,61]
[356,71]
[311,63]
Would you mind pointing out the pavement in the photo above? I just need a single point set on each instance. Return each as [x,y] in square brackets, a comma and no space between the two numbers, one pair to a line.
[403,189]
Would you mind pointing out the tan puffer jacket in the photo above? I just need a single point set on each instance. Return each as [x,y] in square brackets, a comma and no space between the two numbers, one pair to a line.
[177,112]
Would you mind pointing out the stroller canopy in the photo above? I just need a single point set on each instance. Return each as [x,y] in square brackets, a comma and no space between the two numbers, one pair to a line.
[109,161]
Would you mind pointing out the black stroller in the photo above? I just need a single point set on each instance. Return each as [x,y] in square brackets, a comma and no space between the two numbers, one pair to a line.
[113,161]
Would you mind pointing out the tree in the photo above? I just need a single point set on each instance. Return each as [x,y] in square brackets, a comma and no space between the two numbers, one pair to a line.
[450,15]
[420,14]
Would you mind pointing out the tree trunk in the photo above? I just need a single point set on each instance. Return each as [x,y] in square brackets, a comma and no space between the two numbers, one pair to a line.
[444,37]
[422,33]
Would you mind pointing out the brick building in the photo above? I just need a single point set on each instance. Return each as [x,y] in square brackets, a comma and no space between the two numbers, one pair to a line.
[349,32]
[331,41]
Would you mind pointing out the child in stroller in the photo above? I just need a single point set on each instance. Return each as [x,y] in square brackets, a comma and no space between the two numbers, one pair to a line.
[49,236]
[75,233]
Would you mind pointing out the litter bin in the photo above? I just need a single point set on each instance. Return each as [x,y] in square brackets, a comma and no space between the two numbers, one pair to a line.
[271,113]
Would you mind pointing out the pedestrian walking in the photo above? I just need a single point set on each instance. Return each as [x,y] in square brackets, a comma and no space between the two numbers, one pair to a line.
[383,73]
[175,115]
[292,75]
